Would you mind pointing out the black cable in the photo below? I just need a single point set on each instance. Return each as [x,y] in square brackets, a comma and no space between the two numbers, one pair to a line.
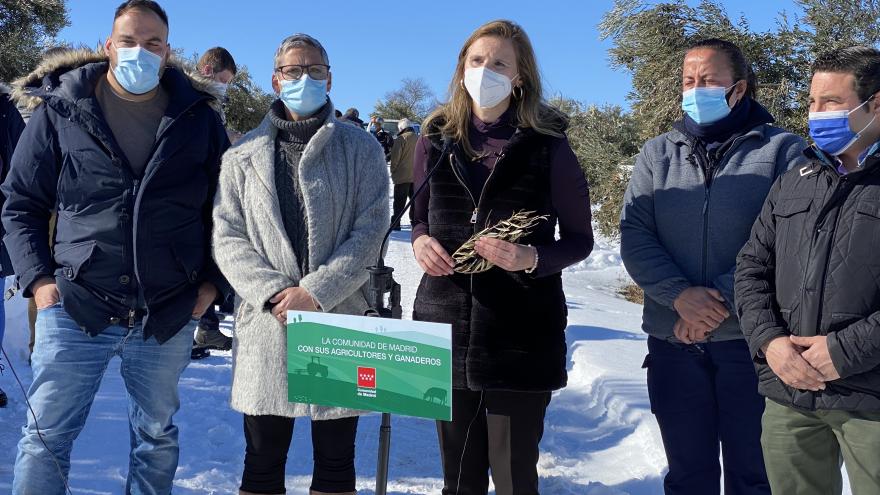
[36,425]
[394,221]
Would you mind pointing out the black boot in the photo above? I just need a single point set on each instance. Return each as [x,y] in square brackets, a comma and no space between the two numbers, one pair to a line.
[212,339]
[199,352]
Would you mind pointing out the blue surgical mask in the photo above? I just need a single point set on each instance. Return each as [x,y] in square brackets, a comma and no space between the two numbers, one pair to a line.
[304,96]
[137,69]
[831,131]
[706,105]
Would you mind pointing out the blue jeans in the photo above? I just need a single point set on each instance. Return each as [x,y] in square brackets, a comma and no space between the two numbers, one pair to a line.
[68,366]
[705,398]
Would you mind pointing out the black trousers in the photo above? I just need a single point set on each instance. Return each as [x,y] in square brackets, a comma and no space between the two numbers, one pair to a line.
[268,440]
[402,192]
[492,430]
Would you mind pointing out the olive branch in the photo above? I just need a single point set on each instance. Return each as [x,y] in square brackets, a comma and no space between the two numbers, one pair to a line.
[519,225]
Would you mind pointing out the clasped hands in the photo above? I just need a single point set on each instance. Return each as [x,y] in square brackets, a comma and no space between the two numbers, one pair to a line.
[700,311]
[800,362]
[291,299]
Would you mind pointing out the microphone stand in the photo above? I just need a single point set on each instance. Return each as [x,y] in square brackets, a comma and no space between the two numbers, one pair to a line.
[381,283]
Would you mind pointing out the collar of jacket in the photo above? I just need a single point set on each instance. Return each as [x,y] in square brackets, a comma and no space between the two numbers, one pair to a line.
[815,155]
[408,129]
[71,76]
[258,146]
[681,138]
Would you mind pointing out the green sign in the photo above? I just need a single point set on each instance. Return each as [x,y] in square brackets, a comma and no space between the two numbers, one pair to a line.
[374,364]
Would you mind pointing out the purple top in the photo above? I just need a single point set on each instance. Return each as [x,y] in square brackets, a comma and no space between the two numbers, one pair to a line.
[570,195]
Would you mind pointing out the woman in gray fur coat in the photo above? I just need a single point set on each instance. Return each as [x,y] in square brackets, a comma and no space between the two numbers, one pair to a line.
[301,209]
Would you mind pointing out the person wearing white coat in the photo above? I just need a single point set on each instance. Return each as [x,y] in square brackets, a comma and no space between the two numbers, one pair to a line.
[300,211]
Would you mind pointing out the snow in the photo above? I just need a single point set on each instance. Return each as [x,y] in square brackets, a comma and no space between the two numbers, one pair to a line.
[600,437]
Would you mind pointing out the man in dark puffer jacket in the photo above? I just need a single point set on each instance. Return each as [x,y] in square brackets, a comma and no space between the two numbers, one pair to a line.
[808,291]
[126,147]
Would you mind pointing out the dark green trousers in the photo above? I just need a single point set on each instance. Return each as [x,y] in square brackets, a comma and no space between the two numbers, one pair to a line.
[803,450]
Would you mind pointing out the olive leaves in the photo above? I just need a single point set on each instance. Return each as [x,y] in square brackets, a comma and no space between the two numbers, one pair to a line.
[519,225]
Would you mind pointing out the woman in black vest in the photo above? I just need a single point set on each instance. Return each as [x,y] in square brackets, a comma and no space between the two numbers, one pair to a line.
[499,149]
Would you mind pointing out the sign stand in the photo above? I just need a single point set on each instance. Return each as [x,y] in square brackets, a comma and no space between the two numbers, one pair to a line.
[382,283]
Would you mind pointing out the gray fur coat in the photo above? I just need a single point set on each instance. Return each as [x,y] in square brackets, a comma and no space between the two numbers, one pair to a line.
[344,181]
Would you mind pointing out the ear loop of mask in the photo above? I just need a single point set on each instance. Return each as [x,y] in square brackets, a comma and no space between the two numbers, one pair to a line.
[728,92]
[860,106]
[859,133]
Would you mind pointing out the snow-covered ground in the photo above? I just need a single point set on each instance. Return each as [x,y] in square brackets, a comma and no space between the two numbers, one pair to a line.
[600,437]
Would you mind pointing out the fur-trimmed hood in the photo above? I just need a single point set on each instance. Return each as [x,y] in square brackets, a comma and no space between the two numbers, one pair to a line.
[49,77]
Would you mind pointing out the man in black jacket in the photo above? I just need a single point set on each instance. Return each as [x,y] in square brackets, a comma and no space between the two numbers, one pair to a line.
[808,291]
[127,148]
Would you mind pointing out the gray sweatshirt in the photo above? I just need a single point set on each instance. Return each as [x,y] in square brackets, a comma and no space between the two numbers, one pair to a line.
[678,230]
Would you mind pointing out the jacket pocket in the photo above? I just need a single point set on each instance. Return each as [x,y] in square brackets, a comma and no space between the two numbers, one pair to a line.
[839,321]
[190,259]
[73,258]
[791,215]
[865,233]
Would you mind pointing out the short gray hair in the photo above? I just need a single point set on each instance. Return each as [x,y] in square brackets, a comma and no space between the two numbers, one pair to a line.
[403,124]
[300,40]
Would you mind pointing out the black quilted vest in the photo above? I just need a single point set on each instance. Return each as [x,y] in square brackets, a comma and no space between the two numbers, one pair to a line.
[508,328]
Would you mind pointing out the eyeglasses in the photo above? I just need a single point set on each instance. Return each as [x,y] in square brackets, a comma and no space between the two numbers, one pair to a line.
[294,72]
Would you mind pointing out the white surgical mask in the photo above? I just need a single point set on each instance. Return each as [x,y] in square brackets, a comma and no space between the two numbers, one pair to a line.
[486,87]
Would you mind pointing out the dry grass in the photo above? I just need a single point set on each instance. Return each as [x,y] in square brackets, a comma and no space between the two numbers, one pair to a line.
[632,293]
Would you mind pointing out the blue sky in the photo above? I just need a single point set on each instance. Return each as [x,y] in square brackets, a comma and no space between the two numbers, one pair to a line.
[373,45]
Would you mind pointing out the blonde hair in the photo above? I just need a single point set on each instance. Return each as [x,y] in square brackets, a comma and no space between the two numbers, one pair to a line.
[453,118]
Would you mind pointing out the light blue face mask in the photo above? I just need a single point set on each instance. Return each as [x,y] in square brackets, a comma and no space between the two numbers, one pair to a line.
[706,105]
[304,96]
[831,130]
[137,69]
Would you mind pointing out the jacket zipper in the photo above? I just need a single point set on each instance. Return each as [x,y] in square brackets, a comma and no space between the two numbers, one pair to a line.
[483,191]
[844,182]
[466,188]
[137,189]
[709,175]
[476,203]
